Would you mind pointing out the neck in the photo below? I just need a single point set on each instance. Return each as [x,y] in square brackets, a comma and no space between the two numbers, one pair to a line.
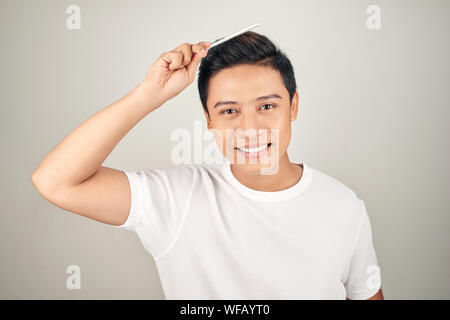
[288,174]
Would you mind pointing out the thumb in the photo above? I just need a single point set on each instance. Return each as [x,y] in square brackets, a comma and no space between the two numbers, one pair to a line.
[192,67]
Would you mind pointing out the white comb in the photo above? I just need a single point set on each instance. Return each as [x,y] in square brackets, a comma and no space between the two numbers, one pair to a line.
[223,39]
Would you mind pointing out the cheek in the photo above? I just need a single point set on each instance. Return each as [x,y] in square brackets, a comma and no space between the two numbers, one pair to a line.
[285,134]
[219,135]
[282,132]
[223,141]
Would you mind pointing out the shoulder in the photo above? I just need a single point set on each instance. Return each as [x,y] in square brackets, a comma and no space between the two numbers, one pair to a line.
[335,193]
[331,185]
[341,204]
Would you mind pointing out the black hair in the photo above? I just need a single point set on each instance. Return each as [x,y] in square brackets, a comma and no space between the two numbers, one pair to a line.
[248,48]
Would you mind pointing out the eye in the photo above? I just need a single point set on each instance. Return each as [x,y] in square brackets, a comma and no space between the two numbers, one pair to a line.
[225,111]
[268,104]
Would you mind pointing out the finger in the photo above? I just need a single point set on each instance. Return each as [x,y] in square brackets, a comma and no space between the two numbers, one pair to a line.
[174,59]
[192,67]
[186,50]
[180,46]
[205,43]
[200,45]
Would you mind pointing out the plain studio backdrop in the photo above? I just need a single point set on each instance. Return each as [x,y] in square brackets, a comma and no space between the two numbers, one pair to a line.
[373,113]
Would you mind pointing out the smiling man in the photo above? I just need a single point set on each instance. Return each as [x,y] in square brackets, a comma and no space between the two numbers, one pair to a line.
[257,226]
[260,109]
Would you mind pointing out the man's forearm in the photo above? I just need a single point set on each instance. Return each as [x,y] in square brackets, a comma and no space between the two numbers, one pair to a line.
[84,150]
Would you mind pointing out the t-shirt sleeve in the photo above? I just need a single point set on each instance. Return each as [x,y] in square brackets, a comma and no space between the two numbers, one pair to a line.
[159,201]
[364,279]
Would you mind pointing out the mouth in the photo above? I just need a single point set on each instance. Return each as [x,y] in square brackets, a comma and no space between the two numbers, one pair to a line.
[254,152]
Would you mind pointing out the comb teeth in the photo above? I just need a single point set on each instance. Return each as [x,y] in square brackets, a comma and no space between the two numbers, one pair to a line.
[217,40]
[223,39]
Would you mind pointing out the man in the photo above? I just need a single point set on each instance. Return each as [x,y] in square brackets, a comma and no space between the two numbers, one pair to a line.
[258,226]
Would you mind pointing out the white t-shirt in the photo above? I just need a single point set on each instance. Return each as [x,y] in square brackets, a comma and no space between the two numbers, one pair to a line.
[214,238]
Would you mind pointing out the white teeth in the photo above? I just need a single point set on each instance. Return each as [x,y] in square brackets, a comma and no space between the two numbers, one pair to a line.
[253,149]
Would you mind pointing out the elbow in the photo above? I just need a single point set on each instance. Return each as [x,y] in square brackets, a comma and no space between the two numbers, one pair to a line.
[41,184]
[34,179]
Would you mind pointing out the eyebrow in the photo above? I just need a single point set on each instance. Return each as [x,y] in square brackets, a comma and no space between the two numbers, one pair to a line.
[273,95]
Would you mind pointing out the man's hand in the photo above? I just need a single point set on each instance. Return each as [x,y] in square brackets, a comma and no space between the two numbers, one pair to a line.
[376,296]
[174,70]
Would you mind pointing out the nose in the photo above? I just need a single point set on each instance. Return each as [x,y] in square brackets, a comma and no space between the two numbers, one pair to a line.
[252,128]
[249,120]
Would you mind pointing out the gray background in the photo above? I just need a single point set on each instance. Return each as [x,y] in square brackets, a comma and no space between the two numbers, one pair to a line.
[374,114]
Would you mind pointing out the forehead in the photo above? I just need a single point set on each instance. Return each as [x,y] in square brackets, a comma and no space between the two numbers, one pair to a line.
[244,83]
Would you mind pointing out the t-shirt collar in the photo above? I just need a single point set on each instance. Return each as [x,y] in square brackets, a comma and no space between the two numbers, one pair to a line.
[269,196]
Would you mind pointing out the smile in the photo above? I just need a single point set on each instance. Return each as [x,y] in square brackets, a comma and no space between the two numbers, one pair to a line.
[254,150]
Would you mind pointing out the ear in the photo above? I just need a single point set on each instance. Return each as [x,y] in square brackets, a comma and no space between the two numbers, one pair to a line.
[294,106]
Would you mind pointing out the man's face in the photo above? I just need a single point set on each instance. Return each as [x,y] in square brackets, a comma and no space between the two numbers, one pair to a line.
[240,120]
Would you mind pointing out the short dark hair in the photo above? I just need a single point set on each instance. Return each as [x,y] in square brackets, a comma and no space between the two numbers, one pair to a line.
[248,48]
